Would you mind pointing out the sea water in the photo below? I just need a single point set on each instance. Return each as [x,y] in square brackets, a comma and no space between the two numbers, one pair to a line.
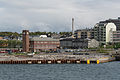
[104,71]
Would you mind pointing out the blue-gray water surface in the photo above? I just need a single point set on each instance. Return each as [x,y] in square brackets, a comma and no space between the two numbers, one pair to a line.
[105,71]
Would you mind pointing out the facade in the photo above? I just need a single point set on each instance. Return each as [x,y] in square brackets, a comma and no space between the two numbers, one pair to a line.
[66,43]
[80,43]
[116,37]
[115,21]
[72,43]
[25,34]
[93,43]
[1,38]
[84,33]
[3,44]
[103,32]
[38,44]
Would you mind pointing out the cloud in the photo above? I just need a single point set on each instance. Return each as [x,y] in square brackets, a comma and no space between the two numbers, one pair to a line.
[54,15]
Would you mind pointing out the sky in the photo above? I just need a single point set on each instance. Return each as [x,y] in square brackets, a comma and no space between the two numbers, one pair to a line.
[55,15]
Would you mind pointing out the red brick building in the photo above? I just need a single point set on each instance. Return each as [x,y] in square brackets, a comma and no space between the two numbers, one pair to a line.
[115,37]
[38,44]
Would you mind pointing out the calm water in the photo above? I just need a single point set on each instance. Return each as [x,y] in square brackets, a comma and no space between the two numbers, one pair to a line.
[106,71]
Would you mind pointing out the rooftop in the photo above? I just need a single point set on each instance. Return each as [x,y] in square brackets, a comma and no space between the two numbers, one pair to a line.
[84,30]
[43,39]
[74,39]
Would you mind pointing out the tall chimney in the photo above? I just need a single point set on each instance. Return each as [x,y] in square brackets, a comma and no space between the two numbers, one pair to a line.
[25,34]
[72,26]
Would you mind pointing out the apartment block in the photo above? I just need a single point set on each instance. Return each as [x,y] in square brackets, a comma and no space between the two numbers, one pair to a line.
[84,33]
[104,31]
[116,37]
[115,21]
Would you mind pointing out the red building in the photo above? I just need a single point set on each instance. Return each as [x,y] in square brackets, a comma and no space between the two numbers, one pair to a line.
[38,44]
[25,40]
[115,37]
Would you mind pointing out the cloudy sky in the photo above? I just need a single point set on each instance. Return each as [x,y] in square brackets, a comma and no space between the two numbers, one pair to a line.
[55,15]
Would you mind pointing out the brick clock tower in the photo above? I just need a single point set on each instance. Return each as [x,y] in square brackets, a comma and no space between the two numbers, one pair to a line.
[25,34]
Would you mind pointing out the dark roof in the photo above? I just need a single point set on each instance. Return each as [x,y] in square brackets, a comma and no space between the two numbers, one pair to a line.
[111,20]
[67,39]
[84,30]
[74,39]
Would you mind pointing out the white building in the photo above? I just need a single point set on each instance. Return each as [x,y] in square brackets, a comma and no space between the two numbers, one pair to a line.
[43,36]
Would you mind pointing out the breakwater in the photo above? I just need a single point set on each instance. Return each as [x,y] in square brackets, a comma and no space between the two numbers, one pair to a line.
[49,62]
[56,59]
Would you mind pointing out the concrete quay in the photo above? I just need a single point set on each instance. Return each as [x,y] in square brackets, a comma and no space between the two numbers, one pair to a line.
[56,59]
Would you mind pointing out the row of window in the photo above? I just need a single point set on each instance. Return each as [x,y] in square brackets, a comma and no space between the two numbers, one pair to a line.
[43,46]
[116,39]
[45,42]
[117,36]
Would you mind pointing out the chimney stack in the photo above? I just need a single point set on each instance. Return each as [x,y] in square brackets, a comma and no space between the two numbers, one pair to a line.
[25,34]
[72,26]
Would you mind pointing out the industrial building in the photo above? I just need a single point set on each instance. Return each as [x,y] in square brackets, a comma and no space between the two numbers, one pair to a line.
[66,43]
[72,43]
[38,44]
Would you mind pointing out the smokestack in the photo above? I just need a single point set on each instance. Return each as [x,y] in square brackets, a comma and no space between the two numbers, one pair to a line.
[72,26]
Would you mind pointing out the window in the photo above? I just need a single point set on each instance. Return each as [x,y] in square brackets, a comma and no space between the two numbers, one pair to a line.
[45,42]
[41,42]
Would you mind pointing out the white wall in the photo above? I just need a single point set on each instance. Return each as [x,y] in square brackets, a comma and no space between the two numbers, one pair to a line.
[93,43]
[109,28]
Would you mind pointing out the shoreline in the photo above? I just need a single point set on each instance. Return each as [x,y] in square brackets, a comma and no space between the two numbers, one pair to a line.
[56,59]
